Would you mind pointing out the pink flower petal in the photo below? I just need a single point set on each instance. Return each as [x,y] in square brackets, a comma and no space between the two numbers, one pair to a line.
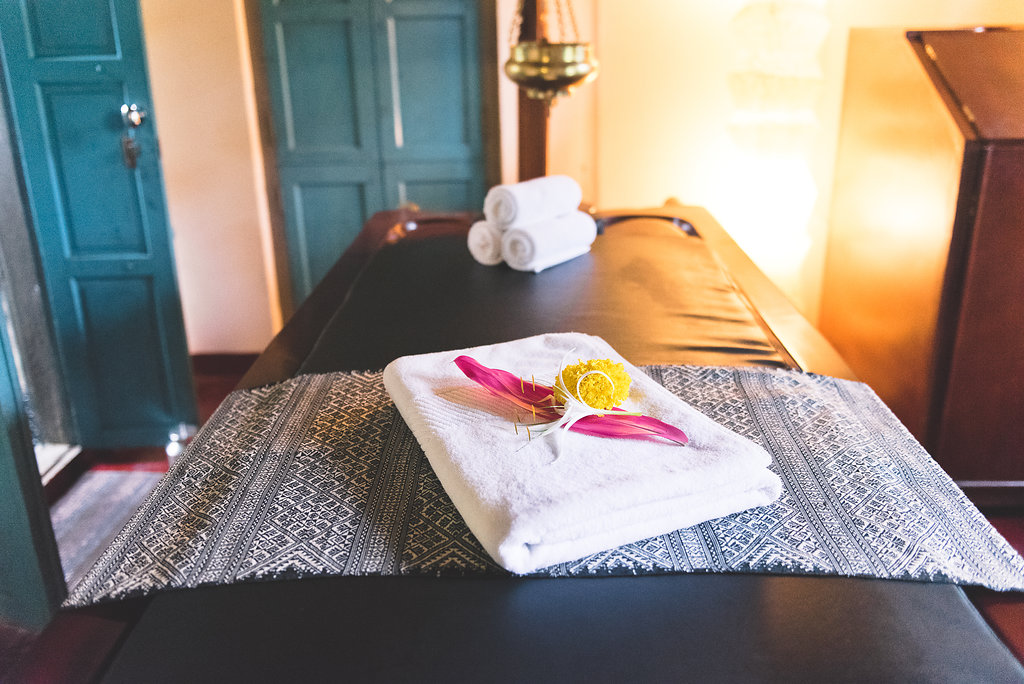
[629,426]
[540,401]
[530,395]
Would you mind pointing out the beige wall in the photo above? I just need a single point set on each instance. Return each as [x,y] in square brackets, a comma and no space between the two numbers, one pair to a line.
[202,93]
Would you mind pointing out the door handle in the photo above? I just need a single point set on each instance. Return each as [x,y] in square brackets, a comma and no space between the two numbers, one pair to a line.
[130,151]
[133,116]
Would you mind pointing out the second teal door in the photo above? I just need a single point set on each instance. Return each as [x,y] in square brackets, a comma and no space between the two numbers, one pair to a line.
[375,104]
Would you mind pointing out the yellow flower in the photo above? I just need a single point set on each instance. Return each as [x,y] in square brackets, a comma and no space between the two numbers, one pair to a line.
[598,383]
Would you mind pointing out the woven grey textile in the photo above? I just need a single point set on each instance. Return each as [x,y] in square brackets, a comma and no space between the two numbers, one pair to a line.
[320,475]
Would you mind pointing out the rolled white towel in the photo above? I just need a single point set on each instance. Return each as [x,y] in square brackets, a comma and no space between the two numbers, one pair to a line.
[520,204]
[541,245]
[484,241]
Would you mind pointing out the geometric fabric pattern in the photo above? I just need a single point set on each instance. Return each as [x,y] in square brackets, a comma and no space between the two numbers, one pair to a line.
[319,475]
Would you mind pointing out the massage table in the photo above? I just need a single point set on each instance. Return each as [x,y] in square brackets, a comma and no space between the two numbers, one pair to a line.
[662,286]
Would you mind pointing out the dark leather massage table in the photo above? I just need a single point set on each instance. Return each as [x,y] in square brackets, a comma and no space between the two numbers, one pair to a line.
[669,287]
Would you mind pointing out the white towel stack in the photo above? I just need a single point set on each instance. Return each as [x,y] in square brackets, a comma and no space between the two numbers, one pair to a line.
[532,225]
[544,501]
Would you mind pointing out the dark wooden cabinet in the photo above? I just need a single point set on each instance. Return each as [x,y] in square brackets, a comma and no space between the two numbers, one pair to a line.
[923,289]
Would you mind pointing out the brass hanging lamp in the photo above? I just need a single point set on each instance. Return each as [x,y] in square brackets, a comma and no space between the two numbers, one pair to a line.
[546,70]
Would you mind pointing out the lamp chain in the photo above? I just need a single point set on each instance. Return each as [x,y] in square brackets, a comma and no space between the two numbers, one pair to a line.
[517,23]
[561,20]
[515,31]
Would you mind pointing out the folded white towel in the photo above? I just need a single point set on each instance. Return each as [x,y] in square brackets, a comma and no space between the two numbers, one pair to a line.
[519,204]
[547,243]
[561,497]
[484,242]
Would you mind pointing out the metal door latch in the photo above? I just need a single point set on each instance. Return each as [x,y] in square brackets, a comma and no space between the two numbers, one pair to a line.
[133,117]
[130,150]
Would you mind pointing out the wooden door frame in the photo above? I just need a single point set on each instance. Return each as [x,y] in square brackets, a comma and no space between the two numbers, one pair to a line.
[36,587]
[268,146]
[31,578]
[22,280]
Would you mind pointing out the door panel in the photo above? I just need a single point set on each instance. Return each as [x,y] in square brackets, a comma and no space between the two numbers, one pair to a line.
[325,208]
[101,226]
[71,116]
[320,76]
[134,329]
[434,186]
[91,34]
[432,102]
[323,112]
[319,69]
[375,103]
[430,132]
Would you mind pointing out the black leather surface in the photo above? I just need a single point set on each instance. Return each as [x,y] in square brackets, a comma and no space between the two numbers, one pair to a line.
[652,291]
[697,628]
[657,296]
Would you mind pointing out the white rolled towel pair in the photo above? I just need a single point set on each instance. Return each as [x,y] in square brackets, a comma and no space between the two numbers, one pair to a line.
[532,225]
[537,246]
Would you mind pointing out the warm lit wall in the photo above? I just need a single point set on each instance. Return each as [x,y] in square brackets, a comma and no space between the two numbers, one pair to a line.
[664,106]
[203,107]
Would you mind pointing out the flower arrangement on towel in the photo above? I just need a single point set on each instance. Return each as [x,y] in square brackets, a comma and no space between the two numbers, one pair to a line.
[585,398]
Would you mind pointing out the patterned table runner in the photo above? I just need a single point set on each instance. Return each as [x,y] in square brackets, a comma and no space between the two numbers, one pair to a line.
[319,475]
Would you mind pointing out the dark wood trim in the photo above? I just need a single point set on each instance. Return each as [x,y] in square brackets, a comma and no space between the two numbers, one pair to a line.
[533,114]
[968,127]
[533,137]
[998,495]
[954,283]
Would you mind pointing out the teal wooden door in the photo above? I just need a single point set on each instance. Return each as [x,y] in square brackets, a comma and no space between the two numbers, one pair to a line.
[31,579]
[95,195]
[376,103]
[428,87]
